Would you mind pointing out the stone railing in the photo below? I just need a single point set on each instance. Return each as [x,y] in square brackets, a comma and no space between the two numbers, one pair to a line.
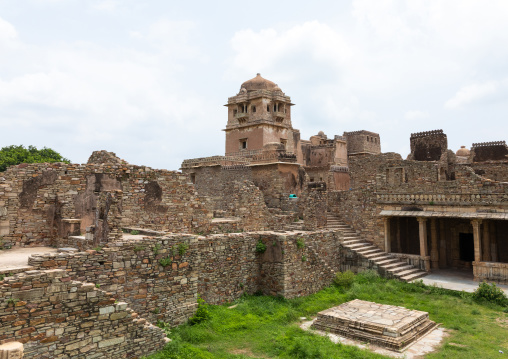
[462,198]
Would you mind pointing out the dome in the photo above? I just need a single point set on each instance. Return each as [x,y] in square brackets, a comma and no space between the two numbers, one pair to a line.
[463,152]
[259,83]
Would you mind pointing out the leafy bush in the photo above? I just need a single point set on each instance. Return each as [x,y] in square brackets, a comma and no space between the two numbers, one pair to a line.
[134,232]
[300,243]
[344,279]
[491,293]
[165,261]
[156,248]
[14,155]
[202,313]
[182,248]
[260,247]
[304,258]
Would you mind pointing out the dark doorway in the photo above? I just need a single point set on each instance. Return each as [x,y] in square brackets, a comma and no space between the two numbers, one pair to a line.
[466,247]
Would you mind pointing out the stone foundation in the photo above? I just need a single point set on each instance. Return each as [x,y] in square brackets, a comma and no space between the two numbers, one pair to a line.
[388,326]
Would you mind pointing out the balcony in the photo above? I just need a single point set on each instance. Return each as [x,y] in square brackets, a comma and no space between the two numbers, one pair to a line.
[241,115]
[279,116]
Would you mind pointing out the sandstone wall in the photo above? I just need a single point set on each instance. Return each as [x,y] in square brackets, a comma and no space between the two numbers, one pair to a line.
[494,170]
[57,317]
[38,200]
[131,271]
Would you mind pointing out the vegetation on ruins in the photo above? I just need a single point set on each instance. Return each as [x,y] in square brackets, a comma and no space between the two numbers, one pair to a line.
[491,293]
[134,232]
[167,261]
[182,248]
[14,155]
[260,247]
[268,327]
[300,243]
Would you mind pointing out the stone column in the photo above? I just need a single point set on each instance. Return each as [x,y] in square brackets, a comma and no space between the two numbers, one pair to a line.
[486,241]
[477,239]
[388,247]
[442,244]
[423,242]
[493,242]
[11,350]
[399,247]
[434,252]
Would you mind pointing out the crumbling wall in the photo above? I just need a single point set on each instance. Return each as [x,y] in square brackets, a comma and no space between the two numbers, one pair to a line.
[489,151]
[428,146]
[38,201]
[314,203]
[494,170]
[156,276]
[57,317]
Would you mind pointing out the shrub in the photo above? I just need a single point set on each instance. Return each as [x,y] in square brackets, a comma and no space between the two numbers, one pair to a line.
[491,293]
[182,248]
[304,259]
[260,247]
[138,248]
[202,313]
[300,243]
[156,248]
[134,232]
[165,261]
[344,279]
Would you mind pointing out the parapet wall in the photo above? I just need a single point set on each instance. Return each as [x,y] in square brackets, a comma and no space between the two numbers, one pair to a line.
[57,317]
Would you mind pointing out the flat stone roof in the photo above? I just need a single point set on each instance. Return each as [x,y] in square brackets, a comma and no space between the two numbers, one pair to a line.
[438,214]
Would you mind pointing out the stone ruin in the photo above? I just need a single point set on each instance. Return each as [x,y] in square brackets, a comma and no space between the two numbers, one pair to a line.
[387,326]
[195,232]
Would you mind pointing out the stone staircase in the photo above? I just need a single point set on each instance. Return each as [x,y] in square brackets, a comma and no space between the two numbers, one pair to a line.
[391,265]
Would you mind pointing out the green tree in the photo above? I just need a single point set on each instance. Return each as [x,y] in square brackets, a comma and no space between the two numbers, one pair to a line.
[13,155]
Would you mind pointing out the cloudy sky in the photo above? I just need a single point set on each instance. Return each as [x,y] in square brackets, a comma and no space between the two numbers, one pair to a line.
[148,79]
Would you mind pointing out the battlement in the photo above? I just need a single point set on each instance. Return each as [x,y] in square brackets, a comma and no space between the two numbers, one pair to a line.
[489,144]
[427,134]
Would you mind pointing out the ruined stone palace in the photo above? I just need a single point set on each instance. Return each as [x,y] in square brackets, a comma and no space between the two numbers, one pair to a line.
[139,244]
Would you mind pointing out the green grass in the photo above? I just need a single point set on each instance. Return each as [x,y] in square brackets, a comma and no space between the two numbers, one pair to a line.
[267,327]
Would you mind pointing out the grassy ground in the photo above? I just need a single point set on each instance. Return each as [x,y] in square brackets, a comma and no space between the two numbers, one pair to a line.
[266,327]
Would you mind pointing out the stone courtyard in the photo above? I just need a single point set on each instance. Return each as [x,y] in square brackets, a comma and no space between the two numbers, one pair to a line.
[127,246]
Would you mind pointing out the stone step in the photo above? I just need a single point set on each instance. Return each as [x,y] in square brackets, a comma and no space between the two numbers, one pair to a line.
[368,250]
[401,268]
[356,246]
[374,256]
[408,272]
[394,264]
[352,241]
[411,277]
[385,262]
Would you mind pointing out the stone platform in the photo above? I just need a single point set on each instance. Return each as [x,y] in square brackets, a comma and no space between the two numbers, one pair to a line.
[387,326]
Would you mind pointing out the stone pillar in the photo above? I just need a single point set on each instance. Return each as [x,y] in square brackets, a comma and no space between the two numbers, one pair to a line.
[486,241]
[477,239]
[423,242]
[493,242]
[388,247]
[434,252]
[399,247]
[11,350]
[442,244]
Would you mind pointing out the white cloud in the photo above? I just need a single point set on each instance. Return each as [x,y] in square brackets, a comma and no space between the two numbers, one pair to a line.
[415,115]
[105,5]
[7,31]
[472,93]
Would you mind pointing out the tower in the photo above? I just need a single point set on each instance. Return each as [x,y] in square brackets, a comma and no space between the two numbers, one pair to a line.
[258,115]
